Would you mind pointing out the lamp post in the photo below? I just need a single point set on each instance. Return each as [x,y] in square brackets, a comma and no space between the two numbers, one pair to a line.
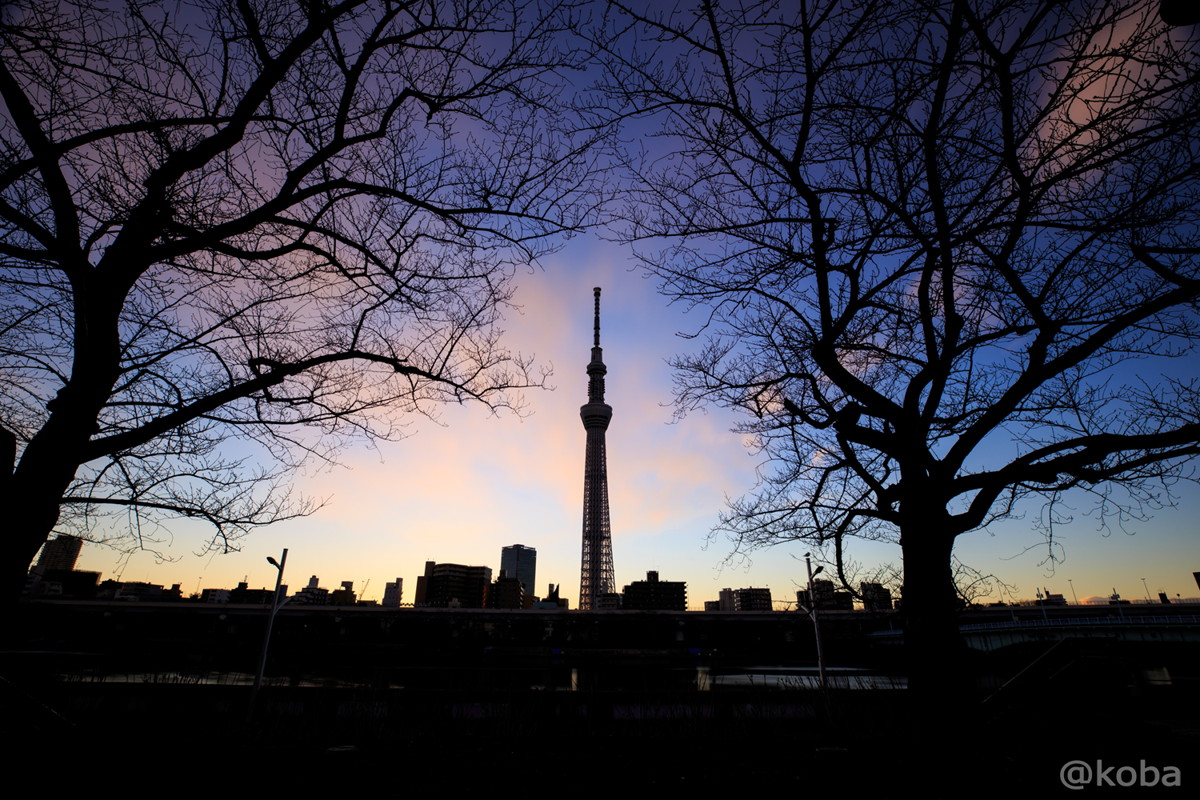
[812,614]
[1147,588]
[275,606]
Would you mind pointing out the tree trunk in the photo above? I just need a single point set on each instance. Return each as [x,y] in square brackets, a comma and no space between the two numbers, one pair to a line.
[31,493]
[33,486]
[935,754]
[31,513]
[941,703]
[933,646]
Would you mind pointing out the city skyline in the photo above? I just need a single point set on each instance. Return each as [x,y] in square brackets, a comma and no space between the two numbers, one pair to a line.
[460,490]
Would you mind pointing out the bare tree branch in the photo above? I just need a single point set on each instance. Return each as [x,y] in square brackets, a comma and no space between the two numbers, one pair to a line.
[947,251]
[286,223]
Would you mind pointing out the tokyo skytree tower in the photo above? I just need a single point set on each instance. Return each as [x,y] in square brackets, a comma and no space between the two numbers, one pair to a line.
[596,573]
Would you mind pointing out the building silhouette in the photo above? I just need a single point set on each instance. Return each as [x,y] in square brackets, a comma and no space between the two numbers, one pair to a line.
[655,595]
[453,586]
[54,574]
[552,600]
[393,593]
[243,594]
[875,597]
[312,595]
[344,596]
[826,597]
[750,599]
[506,592]
[520,562]
[596,576]
[61,552]
[138,591]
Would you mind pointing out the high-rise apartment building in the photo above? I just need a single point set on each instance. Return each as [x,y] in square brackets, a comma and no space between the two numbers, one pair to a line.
[61,552]
[655,595]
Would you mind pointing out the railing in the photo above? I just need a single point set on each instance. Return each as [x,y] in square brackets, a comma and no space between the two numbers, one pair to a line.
[1068,622]
[1182,619]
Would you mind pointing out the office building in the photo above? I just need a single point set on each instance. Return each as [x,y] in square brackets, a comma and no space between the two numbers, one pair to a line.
[520,562]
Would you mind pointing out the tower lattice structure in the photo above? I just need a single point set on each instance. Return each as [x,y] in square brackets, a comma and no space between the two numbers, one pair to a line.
[596,573]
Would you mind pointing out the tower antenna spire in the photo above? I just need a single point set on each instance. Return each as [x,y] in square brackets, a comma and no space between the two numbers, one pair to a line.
[596,339]
[596,576]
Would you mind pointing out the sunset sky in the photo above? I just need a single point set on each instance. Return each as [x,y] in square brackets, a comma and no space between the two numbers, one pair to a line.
[460,491]
[460,487]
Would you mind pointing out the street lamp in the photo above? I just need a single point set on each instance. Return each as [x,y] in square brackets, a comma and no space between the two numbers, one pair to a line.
[275,606]
[811,610]
[1147,588]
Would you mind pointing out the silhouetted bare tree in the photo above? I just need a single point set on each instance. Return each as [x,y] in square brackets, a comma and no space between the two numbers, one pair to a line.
[949,254]
[233,230]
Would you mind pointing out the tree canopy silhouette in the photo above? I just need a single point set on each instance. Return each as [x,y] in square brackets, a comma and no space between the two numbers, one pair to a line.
[238,230]
[948,251]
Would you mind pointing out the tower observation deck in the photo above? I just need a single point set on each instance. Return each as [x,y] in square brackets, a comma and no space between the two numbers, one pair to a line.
[596,572]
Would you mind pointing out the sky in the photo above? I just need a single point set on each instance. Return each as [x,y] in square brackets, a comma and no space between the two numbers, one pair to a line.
[461,488]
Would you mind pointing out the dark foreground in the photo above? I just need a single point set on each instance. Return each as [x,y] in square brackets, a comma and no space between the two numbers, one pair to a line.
[156,699]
